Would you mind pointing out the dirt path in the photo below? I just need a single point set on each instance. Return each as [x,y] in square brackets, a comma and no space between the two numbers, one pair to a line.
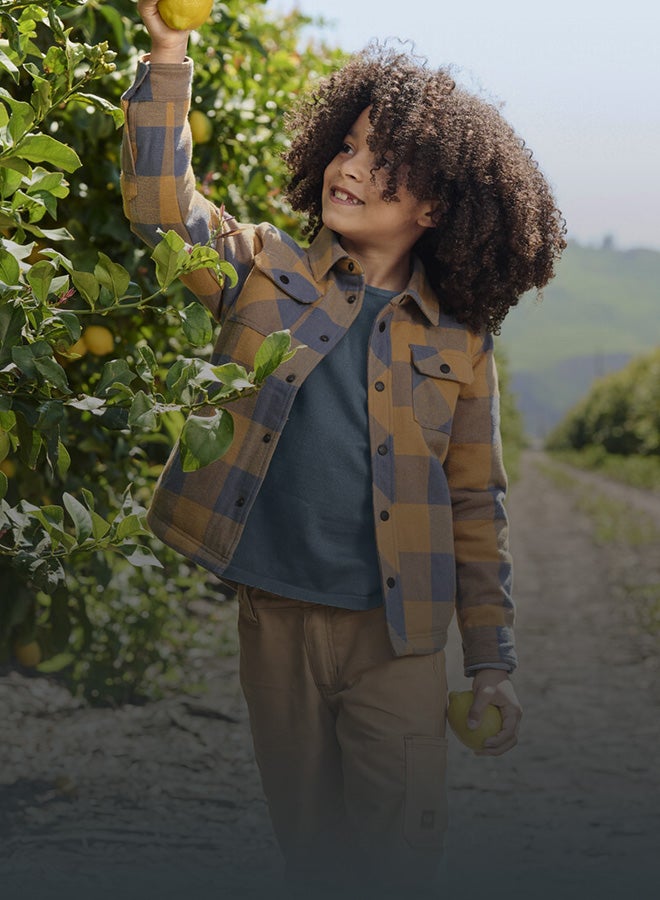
[164,801]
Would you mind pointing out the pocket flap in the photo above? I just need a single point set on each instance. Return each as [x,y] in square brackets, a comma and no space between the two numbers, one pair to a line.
[452,365]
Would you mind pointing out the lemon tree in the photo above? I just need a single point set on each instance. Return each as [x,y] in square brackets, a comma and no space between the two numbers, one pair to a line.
[91,324]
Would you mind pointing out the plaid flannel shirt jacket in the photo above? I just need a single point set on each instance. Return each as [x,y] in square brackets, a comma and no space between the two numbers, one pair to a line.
[438,479]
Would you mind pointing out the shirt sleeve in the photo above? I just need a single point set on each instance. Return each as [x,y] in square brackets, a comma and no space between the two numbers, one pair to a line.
[158,183]
[477,483]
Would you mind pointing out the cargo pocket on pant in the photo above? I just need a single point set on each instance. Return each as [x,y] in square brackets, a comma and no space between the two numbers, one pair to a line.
[425,813]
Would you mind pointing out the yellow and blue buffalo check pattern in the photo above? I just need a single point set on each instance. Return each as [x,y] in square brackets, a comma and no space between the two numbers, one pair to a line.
[438,479]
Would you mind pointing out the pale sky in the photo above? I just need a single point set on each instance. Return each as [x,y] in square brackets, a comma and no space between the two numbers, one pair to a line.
[579,80]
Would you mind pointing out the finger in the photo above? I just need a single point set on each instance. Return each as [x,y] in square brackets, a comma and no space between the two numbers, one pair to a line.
[507,736]
[499,750]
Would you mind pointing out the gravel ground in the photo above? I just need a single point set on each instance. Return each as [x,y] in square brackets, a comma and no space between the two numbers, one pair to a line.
[164,800]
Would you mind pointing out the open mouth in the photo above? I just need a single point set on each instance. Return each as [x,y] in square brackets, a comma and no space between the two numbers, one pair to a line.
[344,197]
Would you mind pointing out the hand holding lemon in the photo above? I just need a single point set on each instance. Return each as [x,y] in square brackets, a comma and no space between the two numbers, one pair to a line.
[169,23]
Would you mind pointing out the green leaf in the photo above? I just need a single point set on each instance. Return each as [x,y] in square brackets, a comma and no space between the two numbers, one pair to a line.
[197,325]
[112,276]
[56,663]
[87,404]
[147,364]
[21,118]
[142,414]
[233,376]
[130,526]
[63,460]
[40,277]
[169,255]
[4,484]
[105,106]
[205,439]
[12,320]
[87,286]
[46,574]
[53,373]
[10,272]
[81,517]
[16,165]
[272,353]
[9,67]
[44,148]
[117,371]
[140,556]
[100,526]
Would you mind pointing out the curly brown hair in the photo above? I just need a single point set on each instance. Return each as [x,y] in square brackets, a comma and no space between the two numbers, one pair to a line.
[498,231]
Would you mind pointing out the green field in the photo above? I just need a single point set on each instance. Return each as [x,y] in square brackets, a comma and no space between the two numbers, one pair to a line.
[602,308]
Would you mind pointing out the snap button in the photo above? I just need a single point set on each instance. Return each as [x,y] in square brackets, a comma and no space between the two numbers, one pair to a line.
[384,515]
[290,378]
[379,386]
[267,438]
[351,267]
[391,582]
[382,450]
[382,326]
[444,368]
[240,501]
[351,298]
[284,279]
[324,338]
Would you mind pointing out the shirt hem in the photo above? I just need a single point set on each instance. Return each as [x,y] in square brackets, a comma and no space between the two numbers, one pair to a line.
[292,592]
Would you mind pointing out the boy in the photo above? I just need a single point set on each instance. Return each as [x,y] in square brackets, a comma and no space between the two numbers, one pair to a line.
[352,533]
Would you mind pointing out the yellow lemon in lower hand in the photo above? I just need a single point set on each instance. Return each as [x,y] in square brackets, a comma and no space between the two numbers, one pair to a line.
[184,15]
[201,127]
[457,713]
[98,339]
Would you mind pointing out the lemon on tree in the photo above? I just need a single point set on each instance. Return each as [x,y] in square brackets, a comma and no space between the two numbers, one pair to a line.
[28,655]
[184,15]
[457,714]
[71,354]
[200,126]
[98,339]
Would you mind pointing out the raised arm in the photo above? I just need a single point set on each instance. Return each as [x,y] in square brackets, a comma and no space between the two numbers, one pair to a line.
[158,183]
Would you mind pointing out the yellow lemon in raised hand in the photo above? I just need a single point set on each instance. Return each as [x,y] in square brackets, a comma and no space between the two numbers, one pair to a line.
[98,339]
[457,713]
[184,15]
[200,126]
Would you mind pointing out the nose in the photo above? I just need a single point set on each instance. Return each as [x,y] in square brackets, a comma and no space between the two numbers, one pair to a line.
[352,167]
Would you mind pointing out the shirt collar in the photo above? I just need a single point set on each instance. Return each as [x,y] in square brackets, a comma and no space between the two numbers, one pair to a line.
[419,290]
[325,252]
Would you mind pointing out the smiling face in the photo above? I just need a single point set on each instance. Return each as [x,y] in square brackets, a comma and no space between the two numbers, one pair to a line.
[353,205]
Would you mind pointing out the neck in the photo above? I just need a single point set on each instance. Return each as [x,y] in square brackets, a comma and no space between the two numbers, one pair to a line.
[390,274]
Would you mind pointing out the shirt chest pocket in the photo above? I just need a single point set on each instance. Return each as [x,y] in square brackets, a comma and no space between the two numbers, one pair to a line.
[437,379]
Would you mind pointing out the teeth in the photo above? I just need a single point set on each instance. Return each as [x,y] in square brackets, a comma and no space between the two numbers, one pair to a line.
[342,195]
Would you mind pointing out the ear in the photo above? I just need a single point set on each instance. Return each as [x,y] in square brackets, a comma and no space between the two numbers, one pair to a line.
[427,216]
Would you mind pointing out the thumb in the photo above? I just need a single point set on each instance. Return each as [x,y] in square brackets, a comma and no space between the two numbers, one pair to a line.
[476,711]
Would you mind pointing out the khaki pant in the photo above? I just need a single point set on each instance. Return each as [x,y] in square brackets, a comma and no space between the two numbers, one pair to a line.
[350,743]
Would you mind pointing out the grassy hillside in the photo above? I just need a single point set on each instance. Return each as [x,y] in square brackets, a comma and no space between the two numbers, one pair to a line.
[601,309]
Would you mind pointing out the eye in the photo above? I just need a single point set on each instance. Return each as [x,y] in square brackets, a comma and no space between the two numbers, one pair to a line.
[345,148]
